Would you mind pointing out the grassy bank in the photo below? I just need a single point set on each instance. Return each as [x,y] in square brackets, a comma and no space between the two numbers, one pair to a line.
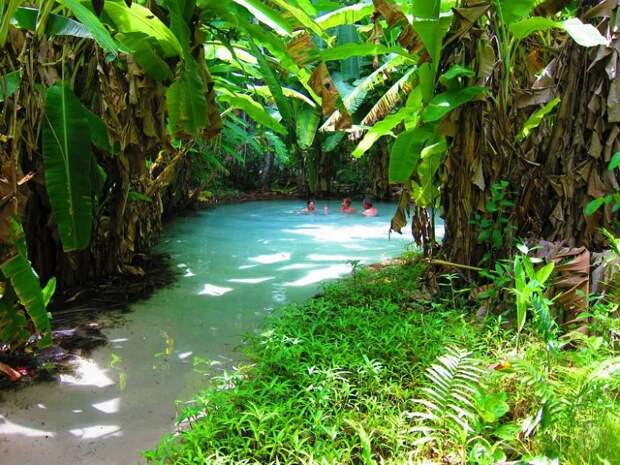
[344,379]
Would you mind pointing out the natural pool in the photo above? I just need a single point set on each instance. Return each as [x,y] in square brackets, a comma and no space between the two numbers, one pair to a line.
[236,263]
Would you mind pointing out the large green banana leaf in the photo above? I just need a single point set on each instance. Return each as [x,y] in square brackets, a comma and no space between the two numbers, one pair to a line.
[56,25]
[267,16]
[140,19]
[94,26]
[187,104]
[347,15]
[253,109]
[25,283]
[146,52]
[406,152]
[67,157]
[447,101]
[307,123]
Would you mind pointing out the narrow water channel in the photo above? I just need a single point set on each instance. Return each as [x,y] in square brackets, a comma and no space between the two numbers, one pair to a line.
[236,264]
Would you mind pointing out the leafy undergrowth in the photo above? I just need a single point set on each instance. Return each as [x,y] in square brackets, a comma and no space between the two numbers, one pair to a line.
[346,379]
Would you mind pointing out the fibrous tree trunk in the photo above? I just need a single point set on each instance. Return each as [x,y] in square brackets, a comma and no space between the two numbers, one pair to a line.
[132,106]
[555,172]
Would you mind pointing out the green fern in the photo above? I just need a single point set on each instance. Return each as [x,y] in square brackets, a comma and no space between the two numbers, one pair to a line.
[449,397]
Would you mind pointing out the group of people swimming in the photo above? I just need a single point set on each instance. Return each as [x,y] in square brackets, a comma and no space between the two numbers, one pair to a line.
[345,207]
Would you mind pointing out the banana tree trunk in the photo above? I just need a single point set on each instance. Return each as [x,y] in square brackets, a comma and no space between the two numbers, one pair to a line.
[551,175]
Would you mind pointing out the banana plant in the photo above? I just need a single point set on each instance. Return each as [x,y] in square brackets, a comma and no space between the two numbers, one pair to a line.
[25,290]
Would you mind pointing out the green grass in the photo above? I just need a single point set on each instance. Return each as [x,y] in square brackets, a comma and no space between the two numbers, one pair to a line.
[335,381]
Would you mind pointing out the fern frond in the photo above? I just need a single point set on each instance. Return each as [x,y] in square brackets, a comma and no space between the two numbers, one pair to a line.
[448,396]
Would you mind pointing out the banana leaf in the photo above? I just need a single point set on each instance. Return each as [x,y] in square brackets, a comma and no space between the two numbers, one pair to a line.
[94,26]
[137,18]
[306,126]
[267,16]
[56,25]
[406,152]
[347,15]
[25,282]
[67,157]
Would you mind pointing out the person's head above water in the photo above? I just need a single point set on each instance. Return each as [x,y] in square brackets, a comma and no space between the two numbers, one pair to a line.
[367,203]
[346,202]
[311,205]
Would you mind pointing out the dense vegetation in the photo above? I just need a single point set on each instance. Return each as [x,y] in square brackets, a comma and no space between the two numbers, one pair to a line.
[501,114]
[364,374]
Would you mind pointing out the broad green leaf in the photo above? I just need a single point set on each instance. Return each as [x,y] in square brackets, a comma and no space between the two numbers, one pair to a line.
[543,273]
[615,162]
[426,192]
[18,270]
[187,104]
[511,11]
[307,123]
[444,103]
[406,152]
[347,15]
[140,19]
[585,35]
[593,206]
[379,130]
[343,52]
[332,141]
[523,28]
[67,157]
[267,15]
[431,26]
[264,91]
[145,50]
[56,25]
[9,82]
[94,26]
[302,17]
[454,72]
[536,118]
[98,131]
[253,109]
[284,105]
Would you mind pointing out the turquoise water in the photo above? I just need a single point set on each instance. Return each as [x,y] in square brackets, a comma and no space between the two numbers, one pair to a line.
[236,263]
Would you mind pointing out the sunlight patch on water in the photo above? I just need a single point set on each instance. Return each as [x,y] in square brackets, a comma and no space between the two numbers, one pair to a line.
[216,291]
[333,258]
[273,258]
[88,373]
[97,431]
[9,427]
[109,406]
[251,280]
[316,276]
[298,266]
[338,233]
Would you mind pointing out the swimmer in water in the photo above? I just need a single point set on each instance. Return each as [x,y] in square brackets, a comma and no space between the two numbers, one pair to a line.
[345,206]
[368,209]
[310,207]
